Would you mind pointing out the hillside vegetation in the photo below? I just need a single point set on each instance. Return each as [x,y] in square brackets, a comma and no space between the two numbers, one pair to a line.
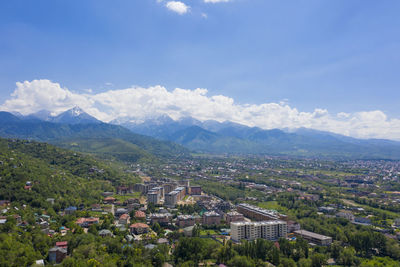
[68,177]
[97,138]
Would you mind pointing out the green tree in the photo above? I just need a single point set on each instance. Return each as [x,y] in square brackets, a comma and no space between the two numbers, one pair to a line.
[241,261]
[347,257]
[318,260]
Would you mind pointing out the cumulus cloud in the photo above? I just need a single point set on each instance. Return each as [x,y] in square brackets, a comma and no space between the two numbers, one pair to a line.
[178,7]
[138,104]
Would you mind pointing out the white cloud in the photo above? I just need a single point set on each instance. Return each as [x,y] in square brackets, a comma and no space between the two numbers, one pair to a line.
[216,1]
[141,103]
[178,7]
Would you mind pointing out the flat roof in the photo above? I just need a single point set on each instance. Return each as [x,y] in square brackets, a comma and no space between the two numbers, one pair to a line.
[313,235]
[259,223]
[262,211]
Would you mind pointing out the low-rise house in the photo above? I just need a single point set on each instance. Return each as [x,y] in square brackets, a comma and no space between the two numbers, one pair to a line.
[124,219]
[109,200]
[140,215]
[123,190]
[57,255]
[64,230]
[70,210]
[96,207]
[132,201]
[105,232]
[87,222]
[120,211]
[346,215]
[62,244]
[139,228]
[362,220]
[326,209]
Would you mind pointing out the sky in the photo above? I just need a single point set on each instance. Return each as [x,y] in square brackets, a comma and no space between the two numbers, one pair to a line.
[327,65]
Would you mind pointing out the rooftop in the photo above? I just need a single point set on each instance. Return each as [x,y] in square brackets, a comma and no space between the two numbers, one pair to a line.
[259,223]
[139,225]
[313,235]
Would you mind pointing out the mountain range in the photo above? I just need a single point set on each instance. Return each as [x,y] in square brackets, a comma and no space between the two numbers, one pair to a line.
[127,138]
[75,129]
[233,138]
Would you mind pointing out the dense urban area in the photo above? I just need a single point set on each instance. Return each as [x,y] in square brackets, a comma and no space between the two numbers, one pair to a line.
[63,207]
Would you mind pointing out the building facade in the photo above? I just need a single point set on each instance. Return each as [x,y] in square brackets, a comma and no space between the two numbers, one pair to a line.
[211,218]
[314,238]
[234,216]
[173,197]
[259,214]
[271,230]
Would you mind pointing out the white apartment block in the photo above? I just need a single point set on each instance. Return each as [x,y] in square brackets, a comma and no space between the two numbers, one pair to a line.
[271,230]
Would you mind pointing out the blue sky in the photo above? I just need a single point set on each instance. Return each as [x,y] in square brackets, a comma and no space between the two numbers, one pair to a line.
[342,56]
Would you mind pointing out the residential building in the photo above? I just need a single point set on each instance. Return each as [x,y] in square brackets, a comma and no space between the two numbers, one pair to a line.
[259,214]
[159,190]
[173,197]
[120,211]
[123,190]
[62,244]
[57,255]
[195,190]
[87,222]
[109,200]
[160,218]
[211,218]
[169,188]
[314,238]
[142,188]
[292,226]
[124,219]
[139,228]
[105,232]
[153,197]
[70,210]
[234,216]
[140,215]
[271,230]
[185,220]
[346,215]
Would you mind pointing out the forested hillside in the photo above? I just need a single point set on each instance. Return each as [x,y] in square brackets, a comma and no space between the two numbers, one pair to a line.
[88,137]
[31,172]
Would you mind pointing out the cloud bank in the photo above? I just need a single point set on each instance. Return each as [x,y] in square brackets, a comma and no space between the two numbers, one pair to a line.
[139,103]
